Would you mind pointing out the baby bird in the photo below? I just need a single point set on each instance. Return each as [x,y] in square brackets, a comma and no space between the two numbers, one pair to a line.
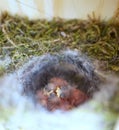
[59,94]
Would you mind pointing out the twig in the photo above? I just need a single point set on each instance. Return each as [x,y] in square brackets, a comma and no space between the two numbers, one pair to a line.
[7,37]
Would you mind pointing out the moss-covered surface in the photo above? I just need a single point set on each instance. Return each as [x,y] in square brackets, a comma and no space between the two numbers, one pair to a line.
[21,38]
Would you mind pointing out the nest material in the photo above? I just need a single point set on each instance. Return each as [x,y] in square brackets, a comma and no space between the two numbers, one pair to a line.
[69,68]
[21,38]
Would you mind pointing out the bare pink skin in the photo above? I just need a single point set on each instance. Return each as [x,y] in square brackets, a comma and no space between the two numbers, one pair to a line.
[58,94]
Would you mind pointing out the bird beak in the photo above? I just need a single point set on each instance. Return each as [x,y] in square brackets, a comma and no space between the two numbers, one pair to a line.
[58,91]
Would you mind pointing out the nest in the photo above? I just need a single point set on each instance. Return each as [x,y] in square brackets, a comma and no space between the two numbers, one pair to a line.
[63,80]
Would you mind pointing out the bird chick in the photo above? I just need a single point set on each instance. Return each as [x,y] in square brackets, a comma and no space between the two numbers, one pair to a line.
[58,94]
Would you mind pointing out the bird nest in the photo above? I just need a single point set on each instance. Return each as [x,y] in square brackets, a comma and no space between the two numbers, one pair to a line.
[60,81]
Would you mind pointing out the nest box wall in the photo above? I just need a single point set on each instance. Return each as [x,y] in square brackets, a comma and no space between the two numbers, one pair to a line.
[48,9]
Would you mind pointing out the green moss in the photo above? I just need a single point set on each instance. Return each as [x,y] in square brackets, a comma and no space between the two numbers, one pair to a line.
[5,113]
[114,102]
[110,119]
[22,38]
[2,70]
[111,109]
